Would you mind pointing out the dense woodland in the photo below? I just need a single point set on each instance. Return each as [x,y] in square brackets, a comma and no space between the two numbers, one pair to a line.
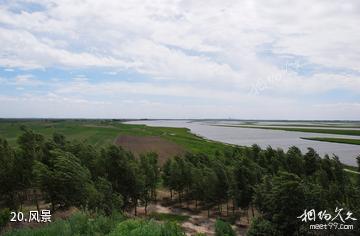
[277,185]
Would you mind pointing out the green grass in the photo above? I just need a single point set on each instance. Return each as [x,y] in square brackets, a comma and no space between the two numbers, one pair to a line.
[168,217]
[104,132]
[335,140]
[315,125]
[352,171]
[307,130]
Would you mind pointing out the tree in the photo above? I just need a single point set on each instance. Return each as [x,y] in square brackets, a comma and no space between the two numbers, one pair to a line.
[102,197]
[244,182]
[197,190]
[177,176]
[88,156]
[119,170]
[233,191]
[65,182]
[59,140]
[31,144]
[136,178]
[208,185]
[245,176]
[339,174]
[8,176]
[32,147]
[295,161]
[166,176]
[255,150]
[150,169]
[223,184]
[275,196]
[312,161]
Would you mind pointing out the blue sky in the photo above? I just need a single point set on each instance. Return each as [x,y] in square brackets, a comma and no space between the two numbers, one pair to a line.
[180,59]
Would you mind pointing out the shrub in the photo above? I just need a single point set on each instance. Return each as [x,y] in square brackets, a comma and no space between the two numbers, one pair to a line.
[146,228]
[223,228]
[56,228]
[4,218]
[261,227]
[168,217]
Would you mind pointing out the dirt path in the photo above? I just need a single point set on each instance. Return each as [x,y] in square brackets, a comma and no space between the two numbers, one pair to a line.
[198,221]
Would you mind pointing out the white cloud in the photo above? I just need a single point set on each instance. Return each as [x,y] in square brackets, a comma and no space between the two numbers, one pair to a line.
[189,49]
[22,49]
[21,81]
[26,80]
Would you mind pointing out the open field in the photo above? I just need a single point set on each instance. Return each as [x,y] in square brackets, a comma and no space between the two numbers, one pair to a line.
[306,130]
[335,140]
[105,132]
[143,144]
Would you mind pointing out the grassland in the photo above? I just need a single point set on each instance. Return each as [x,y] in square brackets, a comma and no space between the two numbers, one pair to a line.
[315,125]
[306,130]
[335,140]
[104,132]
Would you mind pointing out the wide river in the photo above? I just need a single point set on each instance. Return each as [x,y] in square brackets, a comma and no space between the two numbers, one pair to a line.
[275,138]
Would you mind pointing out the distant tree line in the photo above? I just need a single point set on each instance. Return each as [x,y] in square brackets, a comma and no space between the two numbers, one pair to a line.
[279,185]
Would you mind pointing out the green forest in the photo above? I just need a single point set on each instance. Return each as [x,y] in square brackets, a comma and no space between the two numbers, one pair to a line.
[105,182]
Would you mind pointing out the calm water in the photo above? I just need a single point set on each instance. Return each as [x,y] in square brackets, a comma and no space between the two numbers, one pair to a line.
[275,138]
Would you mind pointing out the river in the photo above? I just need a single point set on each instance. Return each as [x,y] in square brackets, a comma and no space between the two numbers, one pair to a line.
[263,137]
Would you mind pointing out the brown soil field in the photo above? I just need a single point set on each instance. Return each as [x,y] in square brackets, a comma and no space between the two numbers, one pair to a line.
[144,144]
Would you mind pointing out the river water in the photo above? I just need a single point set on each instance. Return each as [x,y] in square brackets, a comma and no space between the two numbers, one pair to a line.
[275,138]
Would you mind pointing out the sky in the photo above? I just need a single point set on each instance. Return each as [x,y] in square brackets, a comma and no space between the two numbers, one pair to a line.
[241,59]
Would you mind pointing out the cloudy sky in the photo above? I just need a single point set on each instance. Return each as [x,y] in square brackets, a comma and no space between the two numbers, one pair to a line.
[271,59]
